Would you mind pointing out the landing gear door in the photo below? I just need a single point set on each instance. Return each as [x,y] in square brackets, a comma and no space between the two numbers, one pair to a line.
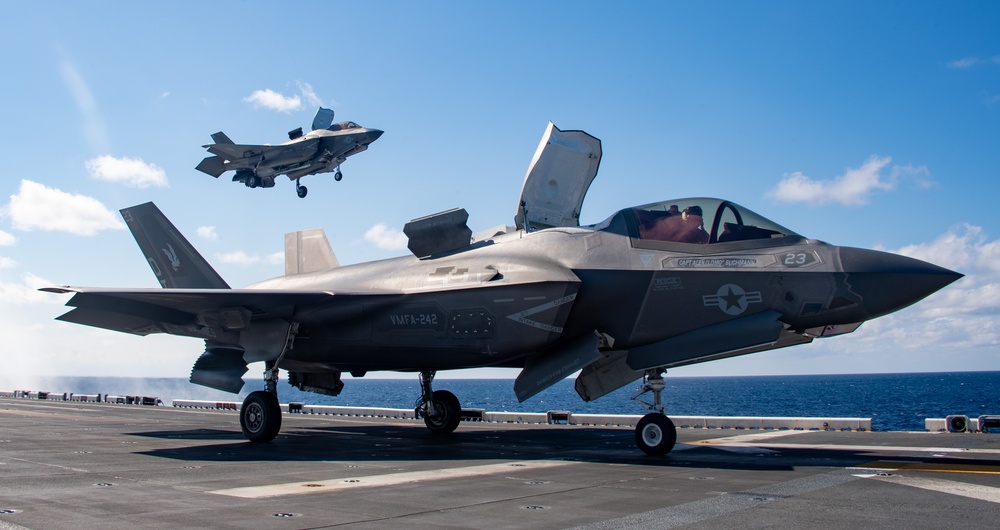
[558,178]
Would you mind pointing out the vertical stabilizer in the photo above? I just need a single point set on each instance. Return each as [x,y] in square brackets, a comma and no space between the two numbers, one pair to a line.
[308,251]
[175,262]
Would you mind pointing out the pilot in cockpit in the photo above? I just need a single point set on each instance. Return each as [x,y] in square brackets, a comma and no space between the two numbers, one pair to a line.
[694,226]
[688,227]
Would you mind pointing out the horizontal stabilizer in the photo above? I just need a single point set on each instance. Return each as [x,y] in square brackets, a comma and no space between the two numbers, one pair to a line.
[221,138]
[212,165]
[173,259]
[308,251]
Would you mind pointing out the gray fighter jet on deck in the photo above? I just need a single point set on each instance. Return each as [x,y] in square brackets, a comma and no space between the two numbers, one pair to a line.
[322,150]
[652,287]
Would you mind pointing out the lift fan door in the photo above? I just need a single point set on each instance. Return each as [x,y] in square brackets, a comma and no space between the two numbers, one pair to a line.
[558,178]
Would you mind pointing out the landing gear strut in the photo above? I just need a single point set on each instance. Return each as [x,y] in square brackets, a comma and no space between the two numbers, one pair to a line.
[655,434]
[440,409]
[260,415]
[300,190]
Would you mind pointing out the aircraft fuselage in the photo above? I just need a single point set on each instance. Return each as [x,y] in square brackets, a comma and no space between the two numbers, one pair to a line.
[524,293]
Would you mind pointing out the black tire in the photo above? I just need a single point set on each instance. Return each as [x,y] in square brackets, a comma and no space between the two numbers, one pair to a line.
[446,415]
[337,176]
[655,434]
[260,416]
[302,191]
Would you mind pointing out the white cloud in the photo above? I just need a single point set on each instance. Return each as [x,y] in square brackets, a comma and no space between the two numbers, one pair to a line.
[961,247]
[39,207]
[309,94]
[26,291]
[853,188]
[270,99]
[7,239]
[131,172]
[969,62]
[386,238]
[966,62]
[208,232]
[278,258]
[962,316]
[7,263]
[93,124]
[238,258]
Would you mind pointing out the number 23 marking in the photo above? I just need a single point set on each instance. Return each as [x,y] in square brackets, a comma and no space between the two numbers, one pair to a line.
[795,258]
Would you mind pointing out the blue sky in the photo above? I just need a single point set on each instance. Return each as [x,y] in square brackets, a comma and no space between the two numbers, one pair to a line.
[874,125]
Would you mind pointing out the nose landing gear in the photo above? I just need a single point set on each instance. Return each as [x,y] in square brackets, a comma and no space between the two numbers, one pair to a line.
[655,434]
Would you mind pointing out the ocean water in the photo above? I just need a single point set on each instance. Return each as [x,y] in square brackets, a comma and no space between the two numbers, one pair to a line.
[893,401]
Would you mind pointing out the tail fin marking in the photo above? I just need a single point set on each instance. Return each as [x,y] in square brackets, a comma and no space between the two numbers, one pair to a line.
[174,260]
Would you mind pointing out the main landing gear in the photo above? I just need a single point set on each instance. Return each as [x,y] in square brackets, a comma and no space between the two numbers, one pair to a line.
[260,415]
[655,434]
[440,409]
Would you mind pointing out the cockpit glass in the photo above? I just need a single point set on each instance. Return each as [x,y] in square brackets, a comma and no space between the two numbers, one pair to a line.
[344,125]
[704,221]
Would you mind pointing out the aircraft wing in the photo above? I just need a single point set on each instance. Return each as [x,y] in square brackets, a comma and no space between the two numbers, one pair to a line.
[190,312]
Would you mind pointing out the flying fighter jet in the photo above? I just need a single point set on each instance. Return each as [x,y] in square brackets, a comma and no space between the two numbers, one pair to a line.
[623,300]
[320,151]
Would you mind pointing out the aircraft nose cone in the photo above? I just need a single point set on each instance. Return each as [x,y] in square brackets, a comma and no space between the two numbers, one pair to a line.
[374,134]
[888,282]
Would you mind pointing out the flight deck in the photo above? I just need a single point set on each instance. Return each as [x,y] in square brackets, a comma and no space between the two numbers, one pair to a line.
[67,464]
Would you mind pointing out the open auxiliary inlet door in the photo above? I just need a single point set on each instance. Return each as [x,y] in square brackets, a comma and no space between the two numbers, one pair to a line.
[558,178]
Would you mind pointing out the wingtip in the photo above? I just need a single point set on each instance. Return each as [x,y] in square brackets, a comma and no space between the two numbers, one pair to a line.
[58,290]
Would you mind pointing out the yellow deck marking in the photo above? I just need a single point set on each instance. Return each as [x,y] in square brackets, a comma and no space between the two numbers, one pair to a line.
[390,479]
